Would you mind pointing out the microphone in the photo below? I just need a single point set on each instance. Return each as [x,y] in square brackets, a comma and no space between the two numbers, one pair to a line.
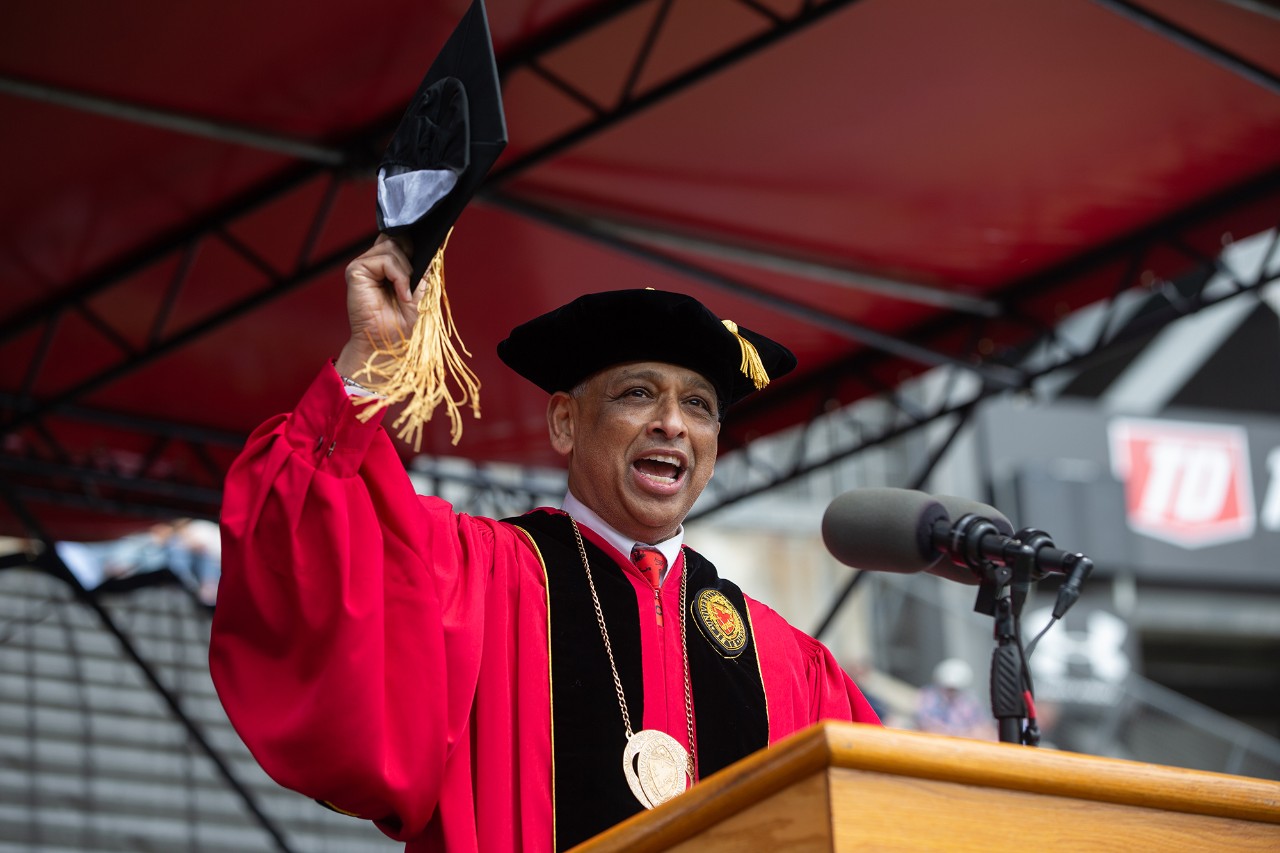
[907,531]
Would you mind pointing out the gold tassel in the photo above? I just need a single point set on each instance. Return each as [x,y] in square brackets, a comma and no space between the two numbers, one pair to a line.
[422,366]
[752,367]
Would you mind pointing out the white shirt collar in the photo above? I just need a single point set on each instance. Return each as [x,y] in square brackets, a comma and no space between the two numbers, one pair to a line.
[670,547]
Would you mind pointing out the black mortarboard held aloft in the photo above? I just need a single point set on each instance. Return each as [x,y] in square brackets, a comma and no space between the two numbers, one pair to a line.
[448,138]
[450,135]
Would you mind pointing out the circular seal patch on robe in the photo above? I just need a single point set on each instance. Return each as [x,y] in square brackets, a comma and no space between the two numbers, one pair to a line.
[720,621]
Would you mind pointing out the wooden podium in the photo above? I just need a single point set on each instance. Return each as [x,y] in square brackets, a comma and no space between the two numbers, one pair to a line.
[842,786]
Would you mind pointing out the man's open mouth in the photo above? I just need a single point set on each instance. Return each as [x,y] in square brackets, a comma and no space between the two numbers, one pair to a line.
[660,468]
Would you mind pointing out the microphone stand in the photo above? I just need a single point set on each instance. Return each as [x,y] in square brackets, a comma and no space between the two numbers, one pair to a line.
[1001,594]
[1010,680]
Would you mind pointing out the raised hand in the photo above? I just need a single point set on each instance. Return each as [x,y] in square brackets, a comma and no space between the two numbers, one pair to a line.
[380,307]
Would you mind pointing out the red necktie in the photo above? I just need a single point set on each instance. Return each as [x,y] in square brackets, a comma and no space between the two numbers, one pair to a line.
[651,564]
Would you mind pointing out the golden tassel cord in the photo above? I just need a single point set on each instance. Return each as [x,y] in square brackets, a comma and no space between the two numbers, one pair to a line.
[752,367]
[422,366]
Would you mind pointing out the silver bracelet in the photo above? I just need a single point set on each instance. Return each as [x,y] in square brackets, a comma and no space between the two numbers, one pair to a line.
[355,389]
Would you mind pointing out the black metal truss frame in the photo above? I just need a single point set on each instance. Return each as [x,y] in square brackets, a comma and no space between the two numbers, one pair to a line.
[48,473]
[1035,359]
[753,470]
[1117,330]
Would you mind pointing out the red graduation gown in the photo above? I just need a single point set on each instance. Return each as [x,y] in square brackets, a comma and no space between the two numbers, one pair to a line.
[382,653]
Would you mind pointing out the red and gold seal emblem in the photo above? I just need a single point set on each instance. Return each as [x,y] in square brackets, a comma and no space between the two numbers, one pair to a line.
[720,622]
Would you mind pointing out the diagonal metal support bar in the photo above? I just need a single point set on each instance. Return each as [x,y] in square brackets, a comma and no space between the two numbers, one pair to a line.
[646,48]
[999,375]
[1194,42]
[633,233]
[1266,8]
[567,89]
[186,260]
[185,123]
[38,359]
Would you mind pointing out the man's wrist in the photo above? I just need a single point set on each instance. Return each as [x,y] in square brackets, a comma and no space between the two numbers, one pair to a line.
[351,362]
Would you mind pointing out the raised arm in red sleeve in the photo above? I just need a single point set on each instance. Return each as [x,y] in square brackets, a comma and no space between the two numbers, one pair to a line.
[350,628]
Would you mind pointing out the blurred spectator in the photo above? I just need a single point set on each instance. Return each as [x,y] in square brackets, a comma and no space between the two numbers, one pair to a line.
[946,706]
[193,550]
[95,563]
[190,549]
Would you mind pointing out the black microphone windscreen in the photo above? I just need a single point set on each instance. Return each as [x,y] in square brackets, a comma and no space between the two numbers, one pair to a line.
[883,530]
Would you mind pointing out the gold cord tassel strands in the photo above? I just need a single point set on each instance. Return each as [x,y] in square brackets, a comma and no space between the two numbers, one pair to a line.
[752,367]
[424,367]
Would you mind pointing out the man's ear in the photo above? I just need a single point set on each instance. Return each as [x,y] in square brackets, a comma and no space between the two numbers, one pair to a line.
[561,411]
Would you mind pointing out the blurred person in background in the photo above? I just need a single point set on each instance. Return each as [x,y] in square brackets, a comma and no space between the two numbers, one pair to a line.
[946,705]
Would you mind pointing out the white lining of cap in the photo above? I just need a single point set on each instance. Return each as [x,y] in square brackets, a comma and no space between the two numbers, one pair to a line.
[406,196]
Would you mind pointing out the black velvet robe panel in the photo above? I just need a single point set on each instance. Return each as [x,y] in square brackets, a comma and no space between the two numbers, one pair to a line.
[588,736]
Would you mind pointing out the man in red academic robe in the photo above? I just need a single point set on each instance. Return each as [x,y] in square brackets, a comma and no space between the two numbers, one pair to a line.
[474,684]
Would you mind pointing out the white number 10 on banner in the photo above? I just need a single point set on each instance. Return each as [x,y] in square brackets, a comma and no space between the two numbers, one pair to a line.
[1185,483]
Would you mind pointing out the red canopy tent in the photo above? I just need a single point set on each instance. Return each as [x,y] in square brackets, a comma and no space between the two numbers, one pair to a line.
[885,185]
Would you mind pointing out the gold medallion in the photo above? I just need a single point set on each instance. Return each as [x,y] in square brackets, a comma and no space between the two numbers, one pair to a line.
[720,622]
[656,767]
